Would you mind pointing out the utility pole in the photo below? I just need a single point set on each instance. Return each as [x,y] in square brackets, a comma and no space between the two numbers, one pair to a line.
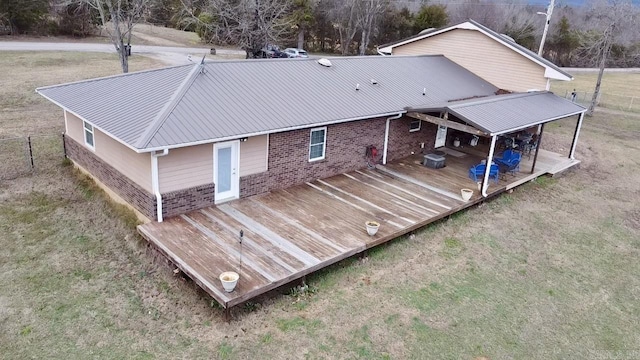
[546,25]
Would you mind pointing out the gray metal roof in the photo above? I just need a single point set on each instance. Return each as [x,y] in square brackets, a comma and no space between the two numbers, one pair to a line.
[500,114]
[122,105]
[179,106]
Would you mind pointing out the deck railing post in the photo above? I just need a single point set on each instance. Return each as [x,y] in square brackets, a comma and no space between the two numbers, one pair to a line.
[30,151]
[64,147]
[535,156]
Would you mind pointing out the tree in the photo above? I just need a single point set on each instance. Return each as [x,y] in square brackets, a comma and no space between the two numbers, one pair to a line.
[610,20]
[302,17]
[248,24]
[563,43]
[345,15]
[118,18]
[430,16]
[23,15]
[369,11]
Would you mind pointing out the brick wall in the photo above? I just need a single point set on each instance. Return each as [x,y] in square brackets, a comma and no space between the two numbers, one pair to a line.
[182,201]
[132,193]
[346,143]
[402,142]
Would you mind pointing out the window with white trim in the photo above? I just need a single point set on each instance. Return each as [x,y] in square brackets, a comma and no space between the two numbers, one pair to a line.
[317,143]
[88,135]
[415,125]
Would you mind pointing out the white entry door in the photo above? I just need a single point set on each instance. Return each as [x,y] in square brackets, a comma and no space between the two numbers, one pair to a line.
[441,137]
[226,168]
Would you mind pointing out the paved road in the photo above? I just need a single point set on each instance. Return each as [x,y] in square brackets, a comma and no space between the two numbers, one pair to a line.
[172,55]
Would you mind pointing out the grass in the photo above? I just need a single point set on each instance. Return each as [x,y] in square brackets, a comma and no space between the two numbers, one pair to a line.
[549,271]
[619,90]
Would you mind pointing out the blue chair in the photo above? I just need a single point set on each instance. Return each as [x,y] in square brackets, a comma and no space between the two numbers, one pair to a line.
[509,161]
[476,172]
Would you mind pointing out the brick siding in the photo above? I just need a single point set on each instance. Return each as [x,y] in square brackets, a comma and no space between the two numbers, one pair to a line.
[182,201]
[402,142]
[131,192]
[345,151]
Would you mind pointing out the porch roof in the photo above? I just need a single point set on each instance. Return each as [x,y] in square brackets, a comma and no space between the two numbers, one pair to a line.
[501,114]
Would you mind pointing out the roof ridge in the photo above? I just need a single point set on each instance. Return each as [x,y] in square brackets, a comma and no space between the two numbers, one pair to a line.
[110,77]
[146,137]
[489,99]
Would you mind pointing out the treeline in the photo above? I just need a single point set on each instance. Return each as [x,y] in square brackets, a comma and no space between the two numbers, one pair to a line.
[351,26]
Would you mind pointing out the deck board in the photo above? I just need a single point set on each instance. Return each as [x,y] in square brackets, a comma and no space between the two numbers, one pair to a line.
[293,232]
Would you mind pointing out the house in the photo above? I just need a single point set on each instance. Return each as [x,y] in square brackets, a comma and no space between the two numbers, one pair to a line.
[172,140]
[492,56]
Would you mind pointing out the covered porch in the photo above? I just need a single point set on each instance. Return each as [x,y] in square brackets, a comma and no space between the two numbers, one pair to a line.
[287,234]
[505,130]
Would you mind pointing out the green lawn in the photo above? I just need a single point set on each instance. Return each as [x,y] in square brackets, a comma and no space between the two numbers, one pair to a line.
[619,90]
[547,272]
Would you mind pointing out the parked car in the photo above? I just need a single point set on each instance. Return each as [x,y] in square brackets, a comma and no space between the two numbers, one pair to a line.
[296,53]
[270,51]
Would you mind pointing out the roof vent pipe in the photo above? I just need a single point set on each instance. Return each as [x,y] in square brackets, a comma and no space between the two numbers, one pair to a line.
[324,62]
[357,87]
[424,91]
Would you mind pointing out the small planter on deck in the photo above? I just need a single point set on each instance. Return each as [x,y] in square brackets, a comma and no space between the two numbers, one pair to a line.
[372,227]
[229,280]
[466,194]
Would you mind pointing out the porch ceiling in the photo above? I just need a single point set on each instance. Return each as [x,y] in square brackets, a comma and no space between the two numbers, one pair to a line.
[501,114]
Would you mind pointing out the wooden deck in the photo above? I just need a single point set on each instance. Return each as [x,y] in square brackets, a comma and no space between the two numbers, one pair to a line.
[293,232]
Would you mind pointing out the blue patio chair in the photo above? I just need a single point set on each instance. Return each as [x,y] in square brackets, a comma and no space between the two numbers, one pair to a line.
[476,172]
[509,161]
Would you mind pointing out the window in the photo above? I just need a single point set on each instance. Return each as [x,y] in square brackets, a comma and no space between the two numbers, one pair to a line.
[415,125]
[88,135]
[317,143]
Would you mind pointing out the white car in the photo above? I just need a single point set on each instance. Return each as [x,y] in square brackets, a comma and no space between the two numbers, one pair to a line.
[296,53]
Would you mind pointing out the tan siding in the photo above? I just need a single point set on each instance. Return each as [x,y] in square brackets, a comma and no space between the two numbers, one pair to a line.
[136,167]
[185,168]
[483,56]
[253,155]
[74,128]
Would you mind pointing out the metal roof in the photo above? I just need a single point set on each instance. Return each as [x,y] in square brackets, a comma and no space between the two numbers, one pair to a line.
[180,106]
[500,114]
[474,25]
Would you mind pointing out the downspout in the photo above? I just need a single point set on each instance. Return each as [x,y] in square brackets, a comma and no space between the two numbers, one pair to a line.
[155,181]
[485,179]
[575,137]
[386,137]
[548,84]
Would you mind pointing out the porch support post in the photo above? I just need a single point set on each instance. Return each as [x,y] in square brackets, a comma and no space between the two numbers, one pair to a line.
[535,156]
[576,133]
[386,137]
[487,170]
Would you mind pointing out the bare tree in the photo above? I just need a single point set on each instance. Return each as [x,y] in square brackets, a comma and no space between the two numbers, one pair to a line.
[610,19]
[369,11]
[118,18]
[248,24]
[345,16]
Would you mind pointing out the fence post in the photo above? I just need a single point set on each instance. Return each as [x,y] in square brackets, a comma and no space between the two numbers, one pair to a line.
[64,147]
[631,103]
[30,151]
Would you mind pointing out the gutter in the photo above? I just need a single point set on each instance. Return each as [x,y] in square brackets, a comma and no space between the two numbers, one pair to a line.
[386,136]
[155,181]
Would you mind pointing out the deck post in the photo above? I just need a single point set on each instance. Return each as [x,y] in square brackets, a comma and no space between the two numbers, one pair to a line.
[535,156]
[576,133]
[487,169]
